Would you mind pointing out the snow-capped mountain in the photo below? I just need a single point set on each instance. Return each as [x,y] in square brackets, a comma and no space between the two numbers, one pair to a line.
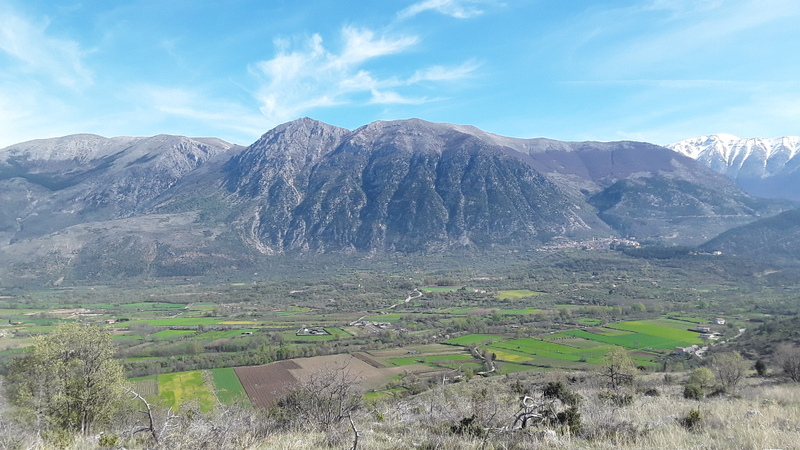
[765,167]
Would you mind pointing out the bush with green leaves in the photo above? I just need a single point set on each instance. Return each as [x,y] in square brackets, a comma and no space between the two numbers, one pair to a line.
[693,392]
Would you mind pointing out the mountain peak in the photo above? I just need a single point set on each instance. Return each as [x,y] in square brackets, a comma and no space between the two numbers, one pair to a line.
[762,166]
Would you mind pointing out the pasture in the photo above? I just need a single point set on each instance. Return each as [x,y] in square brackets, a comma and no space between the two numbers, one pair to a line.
[517,294]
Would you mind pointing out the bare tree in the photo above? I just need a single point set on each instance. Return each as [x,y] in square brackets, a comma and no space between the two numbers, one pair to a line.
[323,399]
[788,358]
[730,369]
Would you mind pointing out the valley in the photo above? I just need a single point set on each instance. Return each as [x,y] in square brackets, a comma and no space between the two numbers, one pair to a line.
[407,323]
[322,278]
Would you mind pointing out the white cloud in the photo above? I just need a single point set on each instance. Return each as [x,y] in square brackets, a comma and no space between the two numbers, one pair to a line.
[361,45]
[441,73]
[299,80]
[391,97]
[208,113]
[460,9]
[38,53]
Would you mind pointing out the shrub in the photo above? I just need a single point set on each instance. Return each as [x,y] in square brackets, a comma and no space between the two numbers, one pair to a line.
[467,426]
[702,377]
[761,368]
[652,392]
[730,368]
[692,420]
[693,392]
[108,440]
[571,418]
[556,389]
[616,398]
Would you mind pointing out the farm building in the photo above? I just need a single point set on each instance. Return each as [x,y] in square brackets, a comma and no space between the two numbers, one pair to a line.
[685,350]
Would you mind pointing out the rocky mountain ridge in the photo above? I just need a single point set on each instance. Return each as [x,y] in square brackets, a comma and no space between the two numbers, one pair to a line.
[85,206]
[764,167]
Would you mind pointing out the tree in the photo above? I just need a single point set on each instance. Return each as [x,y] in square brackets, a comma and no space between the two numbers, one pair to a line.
[68,379]
[730,368]
[618,367]
[700,380]
[702,377]
[788,358]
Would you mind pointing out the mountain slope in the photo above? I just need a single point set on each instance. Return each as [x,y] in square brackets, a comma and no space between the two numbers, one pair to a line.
[55,183]
[762,167]
[772,239]
[645,190]
[88,207]
[396,186]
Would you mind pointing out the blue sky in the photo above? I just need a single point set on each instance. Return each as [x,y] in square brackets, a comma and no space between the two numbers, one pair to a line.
[650,70]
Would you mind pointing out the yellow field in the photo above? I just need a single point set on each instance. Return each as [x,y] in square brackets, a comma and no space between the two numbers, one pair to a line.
[511,357]
[178,388]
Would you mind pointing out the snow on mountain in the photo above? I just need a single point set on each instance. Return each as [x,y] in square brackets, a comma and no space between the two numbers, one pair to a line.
[732,155]
[768,167]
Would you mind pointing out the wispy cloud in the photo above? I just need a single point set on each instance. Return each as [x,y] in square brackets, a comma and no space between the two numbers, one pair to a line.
[36,52]
[680,34]
[299,80]
[206,112]
[460,9]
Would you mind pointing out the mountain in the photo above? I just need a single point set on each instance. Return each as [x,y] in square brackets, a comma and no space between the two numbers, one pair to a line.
[53,183]
[762,167]
[644,190]
[772,239]
[393,186]
[86,207]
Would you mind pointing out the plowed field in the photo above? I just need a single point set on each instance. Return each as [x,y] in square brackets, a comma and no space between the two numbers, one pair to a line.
[264,384]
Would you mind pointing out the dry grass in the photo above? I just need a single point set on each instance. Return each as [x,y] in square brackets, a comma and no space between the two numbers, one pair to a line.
[763,415]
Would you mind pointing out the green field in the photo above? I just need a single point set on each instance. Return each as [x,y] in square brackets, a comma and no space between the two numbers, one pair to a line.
[518,312]
[181,321]
[640,335]
[440,288]
[517,294]
[217,334]
[229,388]
[538,349]
[166,335]
[430,359]
[384,318]
[589,321]
[474,339]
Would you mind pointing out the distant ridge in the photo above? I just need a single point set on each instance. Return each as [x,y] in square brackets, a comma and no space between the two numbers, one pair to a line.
[764,167]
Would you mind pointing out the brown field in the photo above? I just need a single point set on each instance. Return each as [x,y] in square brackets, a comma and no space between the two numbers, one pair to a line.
[369,360]
[430,349]
[145,388]
[264,384]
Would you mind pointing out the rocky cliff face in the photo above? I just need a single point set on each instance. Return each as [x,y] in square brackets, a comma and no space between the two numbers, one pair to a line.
[396,186]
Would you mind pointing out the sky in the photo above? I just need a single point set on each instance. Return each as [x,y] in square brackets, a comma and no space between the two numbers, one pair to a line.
[649,70]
